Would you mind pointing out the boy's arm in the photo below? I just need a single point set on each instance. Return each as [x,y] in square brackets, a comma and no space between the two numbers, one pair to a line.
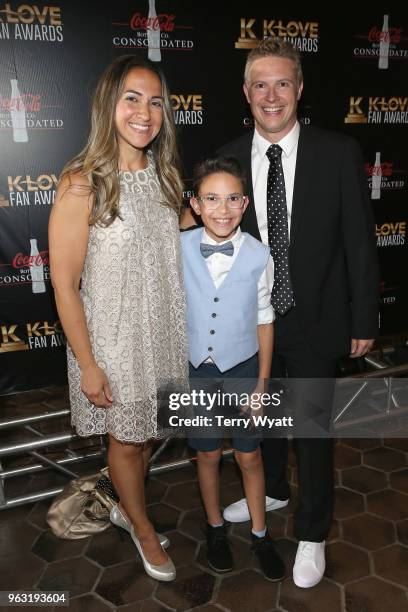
[266,316]
[265,328]
[265,340]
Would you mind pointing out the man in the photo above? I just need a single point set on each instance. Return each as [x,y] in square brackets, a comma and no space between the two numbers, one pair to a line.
[308,201]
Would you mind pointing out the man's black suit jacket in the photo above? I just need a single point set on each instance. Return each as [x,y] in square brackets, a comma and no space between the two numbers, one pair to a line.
[332,254]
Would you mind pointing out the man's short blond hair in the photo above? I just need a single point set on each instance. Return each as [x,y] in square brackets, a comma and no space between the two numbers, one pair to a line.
[274,47]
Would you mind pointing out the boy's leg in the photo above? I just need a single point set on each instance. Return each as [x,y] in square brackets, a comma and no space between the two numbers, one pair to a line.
[219,555]
[209,451]
[208,469]
[249,458]
[250,464]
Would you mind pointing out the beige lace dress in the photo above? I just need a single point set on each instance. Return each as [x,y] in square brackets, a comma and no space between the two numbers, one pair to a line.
[134,305]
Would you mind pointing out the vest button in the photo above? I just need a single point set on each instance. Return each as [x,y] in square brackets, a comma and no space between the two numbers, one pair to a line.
[213,315]
[212,331]
[210,348]
[216,299]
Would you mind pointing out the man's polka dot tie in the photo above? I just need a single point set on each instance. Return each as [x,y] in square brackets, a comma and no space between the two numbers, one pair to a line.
[278,235]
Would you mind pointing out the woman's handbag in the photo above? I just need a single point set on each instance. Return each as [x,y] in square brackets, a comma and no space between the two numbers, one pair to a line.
[83,507]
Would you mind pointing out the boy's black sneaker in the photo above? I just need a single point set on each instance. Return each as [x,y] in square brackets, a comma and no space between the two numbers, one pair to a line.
[270,562]
[219,555]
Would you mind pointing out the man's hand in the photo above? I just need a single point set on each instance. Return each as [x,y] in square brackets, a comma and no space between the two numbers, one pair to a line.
[360,347]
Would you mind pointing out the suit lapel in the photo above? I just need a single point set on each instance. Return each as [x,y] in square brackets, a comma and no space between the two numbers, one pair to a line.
[305,169]
[249,221]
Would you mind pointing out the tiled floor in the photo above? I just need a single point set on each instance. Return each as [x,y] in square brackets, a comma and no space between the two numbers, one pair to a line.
[367,553]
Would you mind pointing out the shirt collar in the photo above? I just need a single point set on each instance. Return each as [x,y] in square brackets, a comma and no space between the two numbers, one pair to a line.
[236,238]
[288,142]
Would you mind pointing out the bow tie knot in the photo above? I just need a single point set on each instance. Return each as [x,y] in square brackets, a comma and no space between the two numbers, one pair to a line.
[227,248]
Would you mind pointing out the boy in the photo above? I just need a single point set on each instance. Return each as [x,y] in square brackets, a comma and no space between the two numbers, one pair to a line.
[228,277]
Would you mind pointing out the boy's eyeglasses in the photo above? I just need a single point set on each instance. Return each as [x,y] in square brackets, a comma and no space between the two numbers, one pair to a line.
[212,201]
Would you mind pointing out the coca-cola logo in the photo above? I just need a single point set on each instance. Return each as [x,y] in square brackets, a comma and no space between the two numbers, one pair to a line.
[384,169]
[22,261]
[393,35]
[28,102]
[163,22]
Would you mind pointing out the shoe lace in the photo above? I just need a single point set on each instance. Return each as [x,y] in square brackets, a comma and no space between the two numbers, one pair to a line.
[306,550]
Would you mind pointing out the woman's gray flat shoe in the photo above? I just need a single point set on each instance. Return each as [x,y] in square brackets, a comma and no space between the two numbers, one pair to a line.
[118,518]
[165,572]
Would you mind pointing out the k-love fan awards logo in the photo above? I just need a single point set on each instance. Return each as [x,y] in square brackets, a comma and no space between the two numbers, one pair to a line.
[30,268]
[30,22]
[377,110]
[383,176]
[22,111]
[187,108]
[27,190]
[382,43]
[304,35]
[31,335]
[391,233]
[155,32]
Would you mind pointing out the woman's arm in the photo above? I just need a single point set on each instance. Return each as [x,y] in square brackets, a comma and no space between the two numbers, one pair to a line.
[68,242]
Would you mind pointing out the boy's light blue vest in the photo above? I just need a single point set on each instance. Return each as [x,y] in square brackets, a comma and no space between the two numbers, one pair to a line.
[222,323]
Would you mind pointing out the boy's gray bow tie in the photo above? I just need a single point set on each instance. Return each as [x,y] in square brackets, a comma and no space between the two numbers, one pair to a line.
[208,249]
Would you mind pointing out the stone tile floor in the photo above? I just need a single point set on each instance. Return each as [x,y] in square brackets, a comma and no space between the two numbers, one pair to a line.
[367,552]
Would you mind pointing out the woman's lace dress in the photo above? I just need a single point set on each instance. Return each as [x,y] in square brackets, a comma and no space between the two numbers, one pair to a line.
[134,304]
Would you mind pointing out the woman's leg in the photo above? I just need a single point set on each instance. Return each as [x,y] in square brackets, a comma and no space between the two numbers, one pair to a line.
[127,471]
[254,485]
[146,454]
[208,468]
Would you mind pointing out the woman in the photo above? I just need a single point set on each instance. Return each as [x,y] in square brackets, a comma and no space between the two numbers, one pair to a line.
[115,265]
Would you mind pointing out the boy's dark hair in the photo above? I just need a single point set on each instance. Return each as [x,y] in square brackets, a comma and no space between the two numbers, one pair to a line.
[213,165]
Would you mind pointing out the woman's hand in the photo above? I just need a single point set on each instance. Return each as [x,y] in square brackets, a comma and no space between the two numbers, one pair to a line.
[95,385]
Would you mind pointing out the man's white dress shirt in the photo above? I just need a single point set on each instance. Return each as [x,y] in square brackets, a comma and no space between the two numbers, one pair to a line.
[260,168]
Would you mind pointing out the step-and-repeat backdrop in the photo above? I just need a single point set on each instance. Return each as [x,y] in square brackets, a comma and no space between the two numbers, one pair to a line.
[51,58]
